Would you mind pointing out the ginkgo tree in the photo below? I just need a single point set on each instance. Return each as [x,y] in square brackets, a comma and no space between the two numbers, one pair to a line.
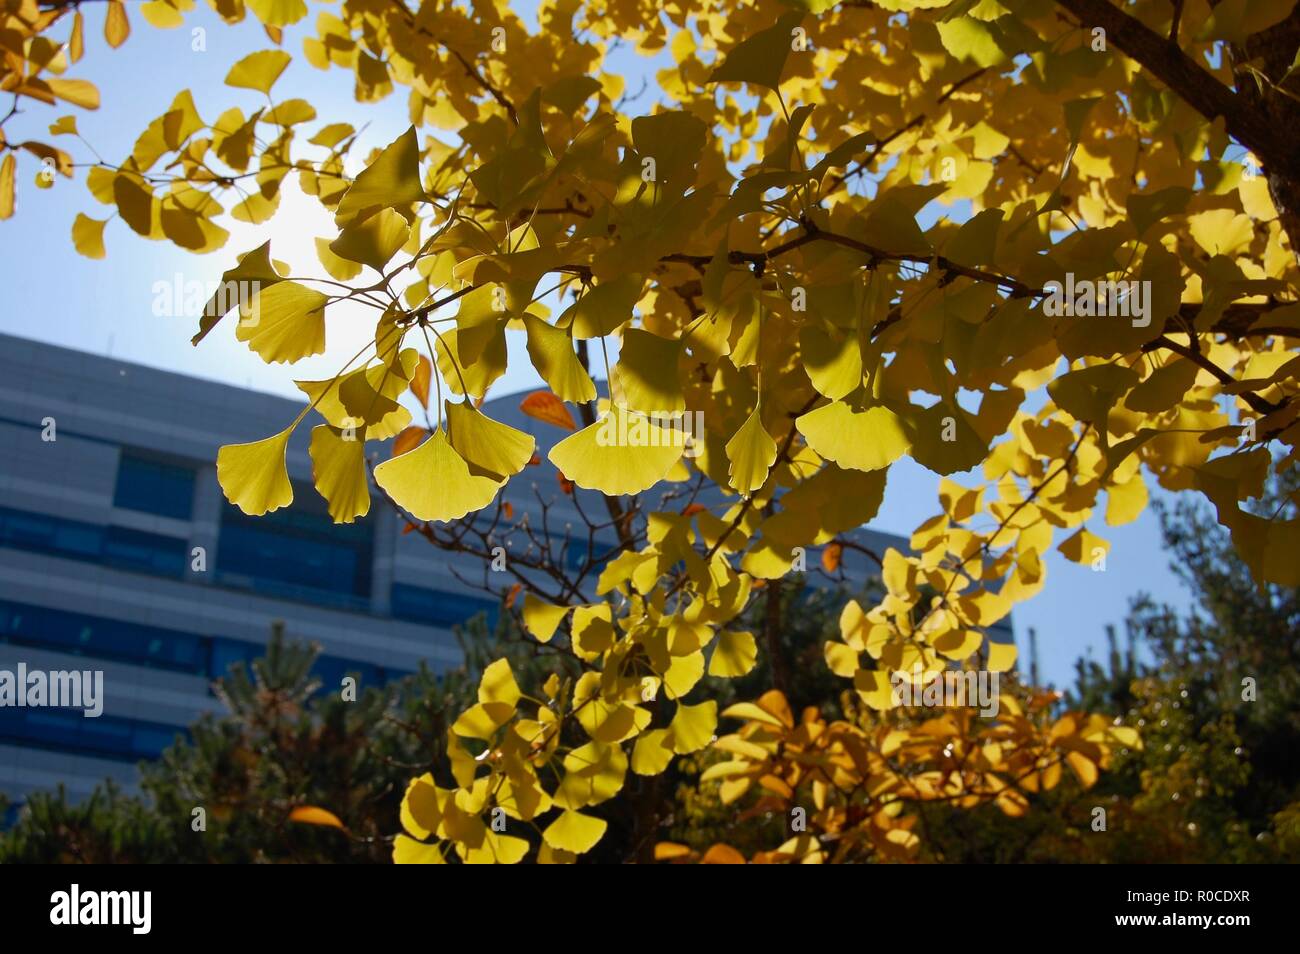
[1106,297]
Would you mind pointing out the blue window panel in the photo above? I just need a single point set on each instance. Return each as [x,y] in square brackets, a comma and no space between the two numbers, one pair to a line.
[118,547]
[100,734]
[102,638]
[149,739]
[51,726]
[438,607]
[299,553]
[227,652]
[81,539]
[129,549]
[45,534]
[149,486]
[575,555]
[68,730]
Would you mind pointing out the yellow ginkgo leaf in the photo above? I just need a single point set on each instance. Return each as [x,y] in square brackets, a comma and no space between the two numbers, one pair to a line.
[78,92]
[1221,231]
[1002,656]
[841,659]
[753,712]
[1084,547]
[958,643]
[339,269]
[433,482]
[254,270]
[652,752]
[117,26]
[489,364]
[553,356]
[1083,767]
[943,439]
[482,721]
[603,721]
[622,453]
[339,472]
[542,618]
[594,773]
[1125,502]
[88,236]
[7,167]
[392,181]
[683,673]
[387,380]
[760,59]
[258,70]
[603,309]
[284,322]
[408,851]
[832,357]
[137,205]
[278,13]
[692,727]
[575,832]
[546,855]
[874,688]
[254,476]
[374,240]
[646,374]
[421,812]
[751,451]
[593,633]
[498,684]
[734,654]
[497,849]
[492,449]
[863,440]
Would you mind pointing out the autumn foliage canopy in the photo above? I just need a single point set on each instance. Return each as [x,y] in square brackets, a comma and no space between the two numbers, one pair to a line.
[748,235]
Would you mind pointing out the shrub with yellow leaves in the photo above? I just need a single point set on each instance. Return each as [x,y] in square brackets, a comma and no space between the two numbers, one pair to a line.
[847,789]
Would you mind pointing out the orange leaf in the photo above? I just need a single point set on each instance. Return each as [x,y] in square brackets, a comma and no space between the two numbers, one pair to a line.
[671,851]
[408,440]
[508,509]
[514,592]
[421,379]
[722,855]
[831,557]
[694,509]
[534,461]
[545,406]
[311,815]
[566,484]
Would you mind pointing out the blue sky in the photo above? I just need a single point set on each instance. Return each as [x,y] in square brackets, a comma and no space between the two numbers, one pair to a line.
[106,306]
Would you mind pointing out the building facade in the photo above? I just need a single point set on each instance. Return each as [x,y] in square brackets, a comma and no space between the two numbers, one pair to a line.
[119,553]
